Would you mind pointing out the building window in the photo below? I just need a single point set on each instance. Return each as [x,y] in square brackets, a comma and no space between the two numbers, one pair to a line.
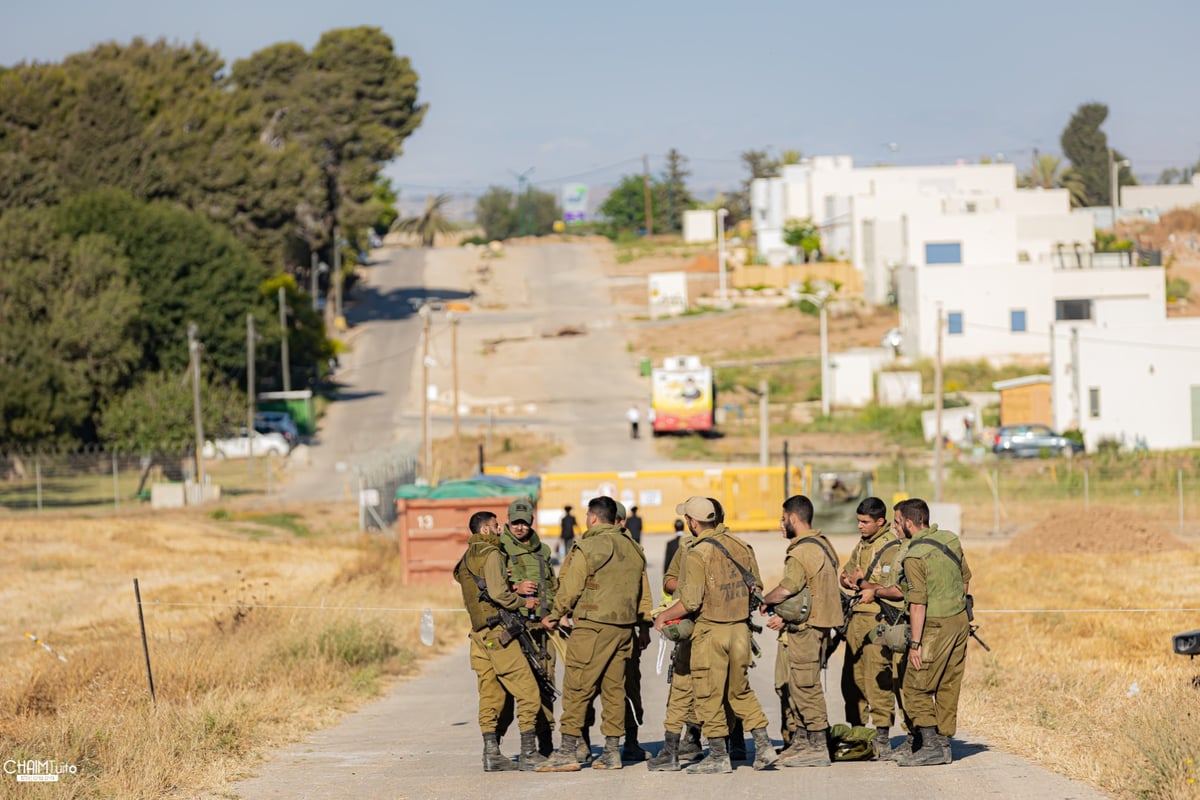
[954,323]
[1072,309]
[943,252]
[1094,402]
[1017,320]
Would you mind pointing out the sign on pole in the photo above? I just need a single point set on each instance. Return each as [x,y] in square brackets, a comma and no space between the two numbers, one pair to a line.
[574,202]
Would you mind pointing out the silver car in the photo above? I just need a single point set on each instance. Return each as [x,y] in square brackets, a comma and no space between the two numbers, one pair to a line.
[1032,441]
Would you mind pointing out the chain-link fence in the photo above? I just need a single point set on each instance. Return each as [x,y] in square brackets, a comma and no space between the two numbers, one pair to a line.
[380,474]
[92,478]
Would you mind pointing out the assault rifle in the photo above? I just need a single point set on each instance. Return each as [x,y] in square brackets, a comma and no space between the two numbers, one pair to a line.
[971,626]
[513,627]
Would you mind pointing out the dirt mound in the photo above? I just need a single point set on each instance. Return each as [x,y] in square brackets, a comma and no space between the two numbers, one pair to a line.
[1100,530]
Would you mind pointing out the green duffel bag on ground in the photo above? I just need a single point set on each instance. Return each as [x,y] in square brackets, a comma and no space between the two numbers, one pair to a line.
[852,744]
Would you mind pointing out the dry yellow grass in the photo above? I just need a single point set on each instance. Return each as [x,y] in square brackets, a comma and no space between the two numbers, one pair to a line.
[233,677]
[1096,696]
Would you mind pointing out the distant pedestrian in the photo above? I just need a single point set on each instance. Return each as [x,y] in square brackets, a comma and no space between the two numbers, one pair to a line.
[634,525]
[673,543]
[566,530]
[634,416]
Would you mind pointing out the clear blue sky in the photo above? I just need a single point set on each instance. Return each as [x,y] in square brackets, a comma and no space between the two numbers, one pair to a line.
[584,89]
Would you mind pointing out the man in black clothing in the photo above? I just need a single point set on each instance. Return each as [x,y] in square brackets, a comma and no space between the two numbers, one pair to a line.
[567,531]
[633,524]
[673,544]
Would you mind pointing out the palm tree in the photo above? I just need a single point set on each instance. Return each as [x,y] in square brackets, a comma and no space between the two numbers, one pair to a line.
[431,221]
[1049,173]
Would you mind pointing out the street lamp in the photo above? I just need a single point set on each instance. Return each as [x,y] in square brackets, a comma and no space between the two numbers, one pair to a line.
[721,214]
[819,300]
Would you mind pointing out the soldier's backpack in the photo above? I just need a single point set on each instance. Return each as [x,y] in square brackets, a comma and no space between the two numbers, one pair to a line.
[852,744]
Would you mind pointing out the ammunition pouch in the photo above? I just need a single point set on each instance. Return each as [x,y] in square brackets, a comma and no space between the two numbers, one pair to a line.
[893,637]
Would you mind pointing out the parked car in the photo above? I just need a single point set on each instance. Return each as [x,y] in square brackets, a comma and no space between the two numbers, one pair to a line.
[1031,441]
[273,444]
[280,422]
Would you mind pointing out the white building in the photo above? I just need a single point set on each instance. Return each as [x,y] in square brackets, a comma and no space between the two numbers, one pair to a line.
[1162,198]
[1136,383]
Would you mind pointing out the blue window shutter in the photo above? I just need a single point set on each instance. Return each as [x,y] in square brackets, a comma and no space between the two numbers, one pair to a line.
[1018,320]
[954,322]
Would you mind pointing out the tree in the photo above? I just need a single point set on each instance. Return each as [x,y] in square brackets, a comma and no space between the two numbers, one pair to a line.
[496,213]
[1048,172]
[625,206]
[804,234]
[67,328]
[1087,148]
[430,222]
[156,414]
[678,198]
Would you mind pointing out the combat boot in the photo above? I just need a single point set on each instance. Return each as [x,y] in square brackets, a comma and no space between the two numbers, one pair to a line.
[945,743]
[530,758]
[583,752]
[667,759]
[910,743]
[716,763]
[926,752]
[564,758]
[816,754]
[689,744]
[883,745]
[632,750]
[796,745]
[610,758]
[764,751]
[493,759]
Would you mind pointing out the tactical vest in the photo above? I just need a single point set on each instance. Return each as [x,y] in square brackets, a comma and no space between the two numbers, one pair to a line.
[826,597]
[943,578]
[865,552]
[469,574]
[726,596]
[529,561]
[615,564]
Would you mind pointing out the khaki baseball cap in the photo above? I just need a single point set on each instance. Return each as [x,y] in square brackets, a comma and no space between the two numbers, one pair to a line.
[698,508]
[621,510]
[520,511]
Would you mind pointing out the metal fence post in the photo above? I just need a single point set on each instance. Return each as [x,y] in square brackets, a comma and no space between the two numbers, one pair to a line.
[116,486]
[1086,492]
[1179,482]
[37,469]
[996,500]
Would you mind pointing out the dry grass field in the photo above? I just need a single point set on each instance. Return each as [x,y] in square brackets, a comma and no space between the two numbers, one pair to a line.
[255,637]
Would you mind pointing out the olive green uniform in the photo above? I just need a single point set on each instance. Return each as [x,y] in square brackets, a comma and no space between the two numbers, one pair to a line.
[932,579]
[812,562]
[681,702]
[712,588]
[603,586]
[530,561]
[499,668]
[898,660]
[866,668]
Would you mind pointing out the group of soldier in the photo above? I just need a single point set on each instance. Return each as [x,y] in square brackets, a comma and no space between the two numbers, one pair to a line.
[900,603]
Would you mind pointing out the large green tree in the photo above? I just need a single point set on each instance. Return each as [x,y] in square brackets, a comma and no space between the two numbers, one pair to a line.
[68,319]
[1086,146]
[155,415]
[678,198]
[501,213]
[625,206]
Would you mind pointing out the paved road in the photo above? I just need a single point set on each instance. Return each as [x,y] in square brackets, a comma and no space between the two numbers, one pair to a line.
[422,741]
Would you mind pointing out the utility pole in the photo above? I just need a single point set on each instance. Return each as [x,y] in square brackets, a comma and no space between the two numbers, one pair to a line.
[313,280]
[646,192]
[194,356]
[250,399]
[337,275]
[454,378]
[426,445]
[937,404]
[284,358]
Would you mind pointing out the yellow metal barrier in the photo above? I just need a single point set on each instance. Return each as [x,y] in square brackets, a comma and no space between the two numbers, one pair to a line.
[751,496]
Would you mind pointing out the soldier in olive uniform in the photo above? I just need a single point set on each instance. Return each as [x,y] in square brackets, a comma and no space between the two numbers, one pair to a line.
[719,575]
[866,667]
[811,564]
[603,586]
[631,750]
[935,580]
[886,592]
[499,666]
[529,560]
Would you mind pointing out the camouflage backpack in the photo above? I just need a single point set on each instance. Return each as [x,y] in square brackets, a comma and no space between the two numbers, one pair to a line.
[852,744]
